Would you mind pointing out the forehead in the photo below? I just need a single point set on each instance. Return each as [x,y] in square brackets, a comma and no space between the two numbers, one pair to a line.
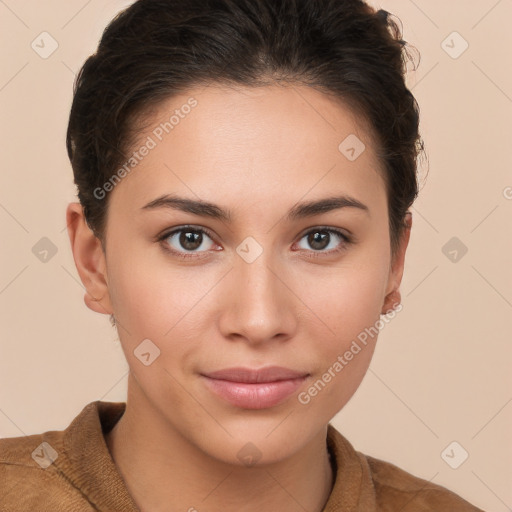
[234,143]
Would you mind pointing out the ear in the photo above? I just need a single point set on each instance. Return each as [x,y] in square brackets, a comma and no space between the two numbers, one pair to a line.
[396,271]
[89,260]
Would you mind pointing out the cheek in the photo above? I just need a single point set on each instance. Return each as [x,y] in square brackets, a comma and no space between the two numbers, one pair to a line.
[153,300]
[344,341]
[347,301]
[150,294]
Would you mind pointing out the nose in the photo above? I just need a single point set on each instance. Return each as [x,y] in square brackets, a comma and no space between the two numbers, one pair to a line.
[259,305]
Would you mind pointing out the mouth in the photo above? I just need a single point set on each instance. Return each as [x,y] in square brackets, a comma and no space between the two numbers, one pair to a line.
[254,388]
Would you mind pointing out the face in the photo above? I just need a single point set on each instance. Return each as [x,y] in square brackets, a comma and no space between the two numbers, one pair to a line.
[259,278]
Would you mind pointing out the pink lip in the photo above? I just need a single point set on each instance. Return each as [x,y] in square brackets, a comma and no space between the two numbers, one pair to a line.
[254,389]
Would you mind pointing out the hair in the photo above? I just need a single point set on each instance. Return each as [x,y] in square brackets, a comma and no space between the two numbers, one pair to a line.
[156,49]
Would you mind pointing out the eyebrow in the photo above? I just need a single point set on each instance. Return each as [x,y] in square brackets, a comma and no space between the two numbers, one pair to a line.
[298,211]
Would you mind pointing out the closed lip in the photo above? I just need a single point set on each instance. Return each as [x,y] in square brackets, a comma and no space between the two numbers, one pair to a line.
[256,376]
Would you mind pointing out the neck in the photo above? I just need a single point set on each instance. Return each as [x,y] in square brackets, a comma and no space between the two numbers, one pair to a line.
[162,470]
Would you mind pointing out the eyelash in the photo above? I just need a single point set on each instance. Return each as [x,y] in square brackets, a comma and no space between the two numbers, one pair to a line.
[346,240]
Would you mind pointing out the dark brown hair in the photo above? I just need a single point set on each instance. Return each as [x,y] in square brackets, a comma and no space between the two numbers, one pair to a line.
[157,48]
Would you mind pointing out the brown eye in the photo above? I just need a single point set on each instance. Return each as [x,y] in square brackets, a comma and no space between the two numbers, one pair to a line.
[187,240]
[325,240]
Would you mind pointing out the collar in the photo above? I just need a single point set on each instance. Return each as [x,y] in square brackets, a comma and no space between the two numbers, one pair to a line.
[90,467]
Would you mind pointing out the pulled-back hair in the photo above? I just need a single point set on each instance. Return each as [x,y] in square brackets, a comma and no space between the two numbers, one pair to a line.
[156,49]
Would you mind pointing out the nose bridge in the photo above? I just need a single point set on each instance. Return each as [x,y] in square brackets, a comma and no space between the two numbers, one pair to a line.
[259,277]
[260,304]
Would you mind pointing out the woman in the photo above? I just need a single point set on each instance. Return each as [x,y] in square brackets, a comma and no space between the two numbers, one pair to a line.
[245,170]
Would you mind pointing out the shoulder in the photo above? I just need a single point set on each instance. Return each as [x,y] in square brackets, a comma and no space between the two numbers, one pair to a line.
[30,475]
[376,484]
[52,470]
[415,494]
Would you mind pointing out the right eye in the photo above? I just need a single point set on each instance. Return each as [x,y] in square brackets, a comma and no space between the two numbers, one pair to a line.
[186,240]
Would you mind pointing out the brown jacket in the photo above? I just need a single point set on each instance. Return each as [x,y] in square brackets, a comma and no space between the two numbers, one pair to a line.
[72,471]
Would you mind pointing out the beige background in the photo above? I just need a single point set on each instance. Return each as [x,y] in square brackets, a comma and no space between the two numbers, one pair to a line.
[441,372]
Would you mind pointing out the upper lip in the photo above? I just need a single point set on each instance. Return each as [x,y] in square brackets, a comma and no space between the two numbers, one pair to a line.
[253,376]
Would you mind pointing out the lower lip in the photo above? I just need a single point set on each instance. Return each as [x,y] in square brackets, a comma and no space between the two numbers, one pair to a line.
[254,396]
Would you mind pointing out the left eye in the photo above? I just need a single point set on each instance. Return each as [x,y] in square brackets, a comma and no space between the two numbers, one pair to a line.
[320,239]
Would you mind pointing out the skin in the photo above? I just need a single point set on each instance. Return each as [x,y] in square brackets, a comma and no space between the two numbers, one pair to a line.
[256,153]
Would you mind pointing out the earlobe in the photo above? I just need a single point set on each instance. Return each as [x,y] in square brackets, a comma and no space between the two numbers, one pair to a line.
[89,260]
[393,296]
